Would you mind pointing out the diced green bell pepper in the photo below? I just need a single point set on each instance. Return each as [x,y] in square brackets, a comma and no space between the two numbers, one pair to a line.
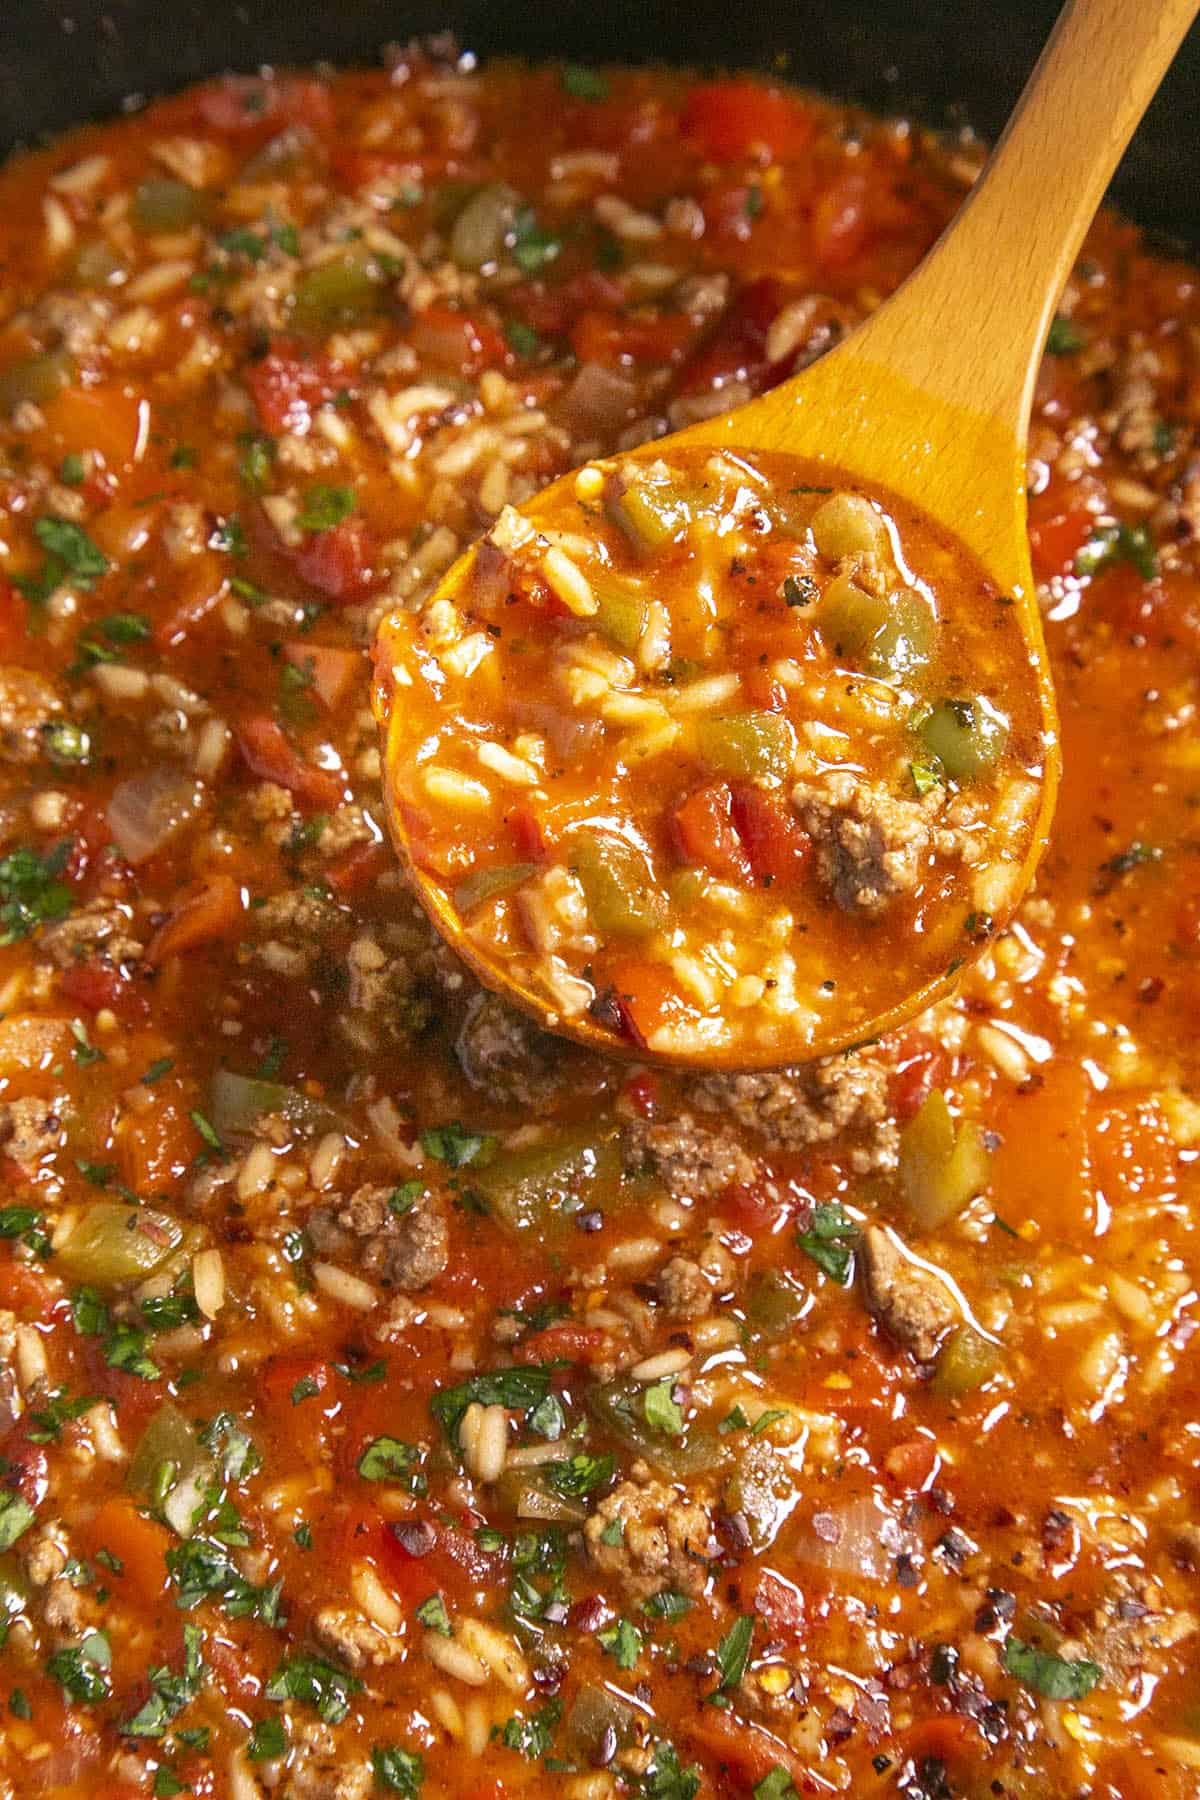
[748,746]
[622,898]
[592,1714]
[478,234]
[168,1438]
[341,292]
[942,1166]
[35,378]
[966,736]
[965,1364]
[760,1488]
[162,204]
[95,264]
[237,1102]
[111,1244]
[485,884]
[619,1406]
[885,635]
[524,1187]
[651,514]
[621,614]
[773,1305]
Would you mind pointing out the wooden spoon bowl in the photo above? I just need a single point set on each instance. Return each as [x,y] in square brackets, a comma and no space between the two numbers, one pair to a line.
[929,401]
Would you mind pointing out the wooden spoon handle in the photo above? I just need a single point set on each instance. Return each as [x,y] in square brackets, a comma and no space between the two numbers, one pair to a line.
[970,323]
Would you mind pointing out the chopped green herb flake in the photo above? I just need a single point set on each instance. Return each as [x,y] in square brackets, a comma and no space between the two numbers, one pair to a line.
[433,1615]
[1052,1676]
[268,1740]
[398,1771]
[828,1241]
[1119,543]
[31,893]
[313,1682]
[661,1409]
[733,1651]
[325,506]
[622,1641]
[16,1516]
[579,1475]
[454,1145]
[583,83]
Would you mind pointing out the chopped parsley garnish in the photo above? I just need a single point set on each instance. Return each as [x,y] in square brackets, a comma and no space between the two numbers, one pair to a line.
[454,1145]
[661,1409]
[161,1066]
[16,1516]
[82,1669]
[256,460]
[169,1692]
[391,1459]
[126,1349]
[25,1223]
[665,1780]
[925,777]
[85,1051]
[520,1390]
[433,1615]
[208,1133]
[578,1475]
[1052,1676]
[229,537]
[776,1784]
[267,1741]
[1064,337]
[1118,543]
[532,247]
[533,1736]
[313,1682]
[667,1604]
[623,1642]
[522,339]
[733,1652]
[71,471]
[31,893]
[325,506]
[55,1411]
[397,1771]
[405,1197]
[583,83]
[828,1240]
[70,555]
[202,1569]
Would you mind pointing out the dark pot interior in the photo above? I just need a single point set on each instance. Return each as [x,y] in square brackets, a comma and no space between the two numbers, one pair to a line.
[65,60]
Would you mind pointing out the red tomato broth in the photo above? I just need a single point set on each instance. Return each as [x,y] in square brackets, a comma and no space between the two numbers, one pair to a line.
[1031,1141]
[742,672]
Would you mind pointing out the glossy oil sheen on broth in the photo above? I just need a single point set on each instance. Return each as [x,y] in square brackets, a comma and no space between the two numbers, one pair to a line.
[708,748]
[394,1401]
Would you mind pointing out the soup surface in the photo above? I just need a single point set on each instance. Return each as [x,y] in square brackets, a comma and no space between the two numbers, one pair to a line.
[675,750]
[393,1400]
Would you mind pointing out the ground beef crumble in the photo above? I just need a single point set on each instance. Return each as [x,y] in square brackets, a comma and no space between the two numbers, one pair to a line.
[694,1162]
[406,1250]
[870,842]
[793,1109]
[505,1056]
[666,1539]
[910,1303]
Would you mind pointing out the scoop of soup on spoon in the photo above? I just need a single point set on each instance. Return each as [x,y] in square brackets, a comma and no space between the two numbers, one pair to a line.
[730,751]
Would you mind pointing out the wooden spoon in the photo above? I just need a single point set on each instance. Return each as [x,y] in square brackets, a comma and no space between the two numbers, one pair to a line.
[930,398]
